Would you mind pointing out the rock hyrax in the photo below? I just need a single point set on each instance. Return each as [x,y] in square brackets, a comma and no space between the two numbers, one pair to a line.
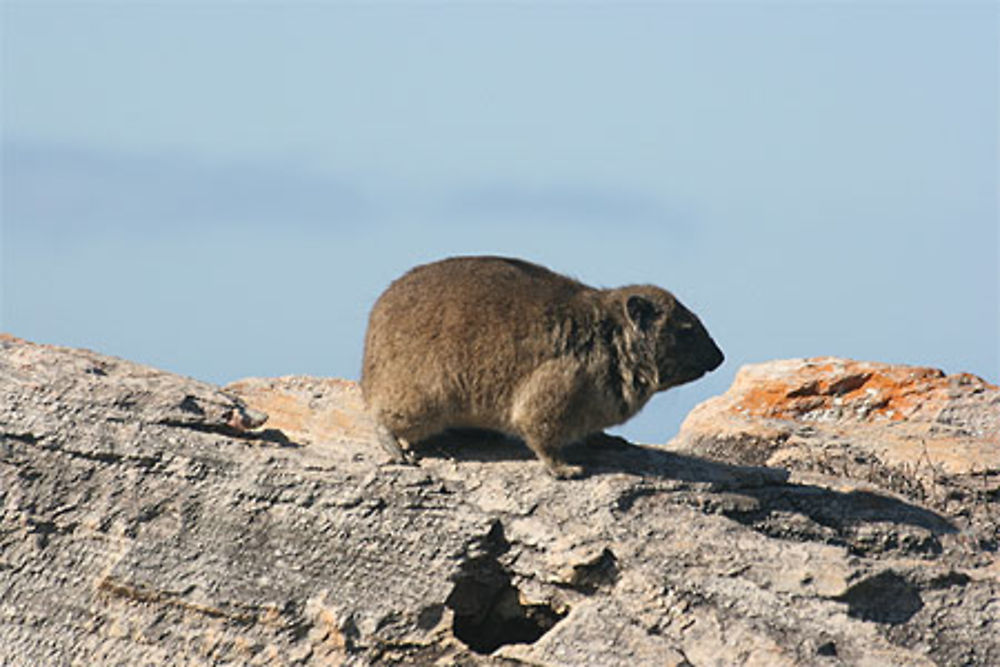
[506,345]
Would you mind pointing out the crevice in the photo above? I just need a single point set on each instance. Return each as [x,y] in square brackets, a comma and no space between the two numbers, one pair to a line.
[147,462]
[599,573]
[203,427]
[948,580]
[489,610]
[625,501]
[95,456]
[144,595]
[848,384]
[271,435]
[190,404]
[867,524]
[808,389]
[27,438]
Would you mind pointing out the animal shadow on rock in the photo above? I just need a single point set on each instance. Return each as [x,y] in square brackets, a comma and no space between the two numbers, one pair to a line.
[768,489]
[274,436]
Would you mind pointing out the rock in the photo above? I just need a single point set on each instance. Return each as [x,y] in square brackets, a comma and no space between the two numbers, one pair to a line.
[915,431]
[150,518]
[309,410]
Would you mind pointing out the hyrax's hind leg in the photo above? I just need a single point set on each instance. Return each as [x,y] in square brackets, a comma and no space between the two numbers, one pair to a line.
[545,415]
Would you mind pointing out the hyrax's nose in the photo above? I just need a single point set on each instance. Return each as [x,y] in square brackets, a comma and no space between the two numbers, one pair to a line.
[714,358]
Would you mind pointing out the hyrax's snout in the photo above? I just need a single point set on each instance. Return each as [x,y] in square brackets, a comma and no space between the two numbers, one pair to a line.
[694,347]
[707,353]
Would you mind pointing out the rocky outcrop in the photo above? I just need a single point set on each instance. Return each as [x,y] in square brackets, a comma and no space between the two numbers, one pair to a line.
[927,436]
[820,512]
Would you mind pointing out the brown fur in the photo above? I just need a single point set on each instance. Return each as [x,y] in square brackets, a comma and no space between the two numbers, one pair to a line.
[502,344]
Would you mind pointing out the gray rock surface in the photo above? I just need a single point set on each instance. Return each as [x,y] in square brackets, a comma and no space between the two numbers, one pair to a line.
[149,518]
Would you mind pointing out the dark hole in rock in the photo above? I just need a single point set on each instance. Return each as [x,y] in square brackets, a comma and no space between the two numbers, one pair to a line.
[884,598]
[499,618]
[827,648]
[488,609]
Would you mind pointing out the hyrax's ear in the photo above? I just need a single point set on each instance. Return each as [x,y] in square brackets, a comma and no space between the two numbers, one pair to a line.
[641,312]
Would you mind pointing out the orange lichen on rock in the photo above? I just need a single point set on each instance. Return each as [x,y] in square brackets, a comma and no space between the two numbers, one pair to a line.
[800,411]
[836,389]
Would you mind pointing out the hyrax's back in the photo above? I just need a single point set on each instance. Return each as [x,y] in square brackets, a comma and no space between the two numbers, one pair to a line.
[448,342]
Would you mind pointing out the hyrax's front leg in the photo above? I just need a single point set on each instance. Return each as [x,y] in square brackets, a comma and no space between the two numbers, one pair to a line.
[547,414]
[393,446]
[555,466]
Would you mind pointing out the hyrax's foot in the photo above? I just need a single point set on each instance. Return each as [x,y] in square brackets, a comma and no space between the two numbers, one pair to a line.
[398,449]
[409,457]
[561,470]
[554,463]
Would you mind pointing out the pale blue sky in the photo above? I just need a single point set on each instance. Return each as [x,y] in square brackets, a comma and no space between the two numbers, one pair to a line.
[222,189]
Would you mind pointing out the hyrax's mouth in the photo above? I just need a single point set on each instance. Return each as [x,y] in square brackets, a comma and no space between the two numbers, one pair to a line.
[689,373]
[682,376]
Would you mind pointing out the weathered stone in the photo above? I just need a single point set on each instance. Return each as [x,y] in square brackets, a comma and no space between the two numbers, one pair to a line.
[915,431]
[308,410]
[903,415]
[152,519]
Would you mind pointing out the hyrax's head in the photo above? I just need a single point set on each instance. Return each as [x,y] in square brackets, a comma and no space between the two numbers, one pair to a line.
[684,350]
